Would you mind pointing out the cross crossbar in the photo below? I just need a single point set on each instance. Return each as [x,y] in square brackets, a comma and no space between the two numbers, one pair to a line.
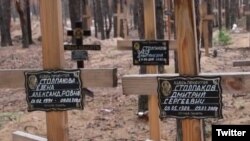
[90,78]
[127,44]
[147,84]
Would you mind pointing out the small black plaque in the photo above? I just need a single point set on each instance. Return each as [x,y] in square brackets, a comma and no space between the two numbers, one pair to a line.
[79,55]
[190,97]
[82,47]
[150,53]
[53,90]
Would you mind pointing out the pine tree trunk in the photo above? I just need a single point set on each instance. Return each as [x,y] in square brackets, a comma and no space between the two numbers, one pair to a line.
[210,23]
[159,19]
[227,14]
[140,19]
[75,11]
[21,7]
[114,5]
[247,8]
[142,99]
[95,18]
[135,14]
[219,14]
[99,18]
[5,18]
[29,22]
[233,12]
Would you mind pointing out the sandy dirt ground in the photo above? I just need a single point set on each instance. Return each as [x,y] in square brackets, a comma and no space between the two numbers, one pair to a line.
[110,115]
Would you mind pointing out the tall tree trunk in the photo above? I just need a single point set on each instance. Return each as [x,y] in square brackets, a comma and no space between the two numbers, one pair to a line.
[159,26]
[95,19]
[75,11]
[108,18]
[247,8]
[29,22]
[227,14]
[140,19]
[100,18]
[159,19]
[115,8]
[5,18]
[219,14]
[135,14]
[210,23]
[233,12]
[21,7]
[142,99]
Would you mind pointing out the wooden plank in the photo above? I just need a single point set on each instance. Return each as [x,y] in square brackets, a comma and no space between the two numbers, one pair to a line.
[241,63]
[150,34]
[235,82]
[22,136]
[246,13]
[52,44]
[127,44]
[90,78]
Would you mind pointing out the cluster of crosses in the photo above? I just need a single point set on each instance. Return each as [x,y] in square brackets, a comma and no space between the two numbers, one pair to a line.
[188,96]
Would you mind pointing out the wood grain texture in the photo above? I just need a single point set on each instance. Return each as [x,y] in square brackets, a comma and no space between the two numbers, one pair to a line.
[127,44]
[52,44]
[22,136]
[90,78]
[150,34]
[241,63]
[187,50]
[235,82]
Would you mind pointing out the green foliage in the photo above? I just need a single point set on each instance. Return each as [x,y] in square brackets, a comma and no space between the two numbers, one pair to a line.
[224,37]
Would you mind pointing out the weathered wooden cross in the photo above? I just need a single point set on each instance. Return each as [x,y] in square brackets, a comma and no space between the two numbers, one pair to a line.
[79,52]
[205,18]
[52,44]
[121,16]
[87,15]
[191,128]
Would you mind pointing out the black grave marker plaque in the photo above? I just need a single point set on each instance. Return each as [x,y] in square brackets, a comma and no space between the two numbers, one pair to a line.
[150,53]
[79,55]
[190,97]
[53,90]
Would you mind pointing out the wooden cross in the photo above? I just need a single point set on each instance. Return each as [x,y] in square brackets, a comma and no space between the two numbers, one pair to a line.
[241,63]
[204,25]
[188,66]
[52,44]
[121,17]
[87,16]
[79,52]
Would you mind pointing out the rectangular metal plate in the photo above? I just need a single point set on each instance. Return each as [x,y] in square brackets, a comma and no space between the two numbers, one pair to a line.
[150,52]
[54,90]
[190,97]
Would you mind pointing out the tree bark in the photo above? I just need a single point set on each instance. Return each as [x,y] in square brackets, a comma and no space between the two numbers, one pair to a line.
[5,18]
[21,6]
[227,14]
[29,22]
[75,11]
[95,19]
[219,14]
[140,19]
[114,5]
[233,12]
[210,23]
[100,18]
[142,99]
[247,8]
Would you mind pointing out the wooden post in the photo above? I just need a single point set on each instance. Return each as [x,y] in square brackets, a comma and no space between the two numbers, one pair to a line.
[52,43]
[204,25]
[188,60]
[150,34]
